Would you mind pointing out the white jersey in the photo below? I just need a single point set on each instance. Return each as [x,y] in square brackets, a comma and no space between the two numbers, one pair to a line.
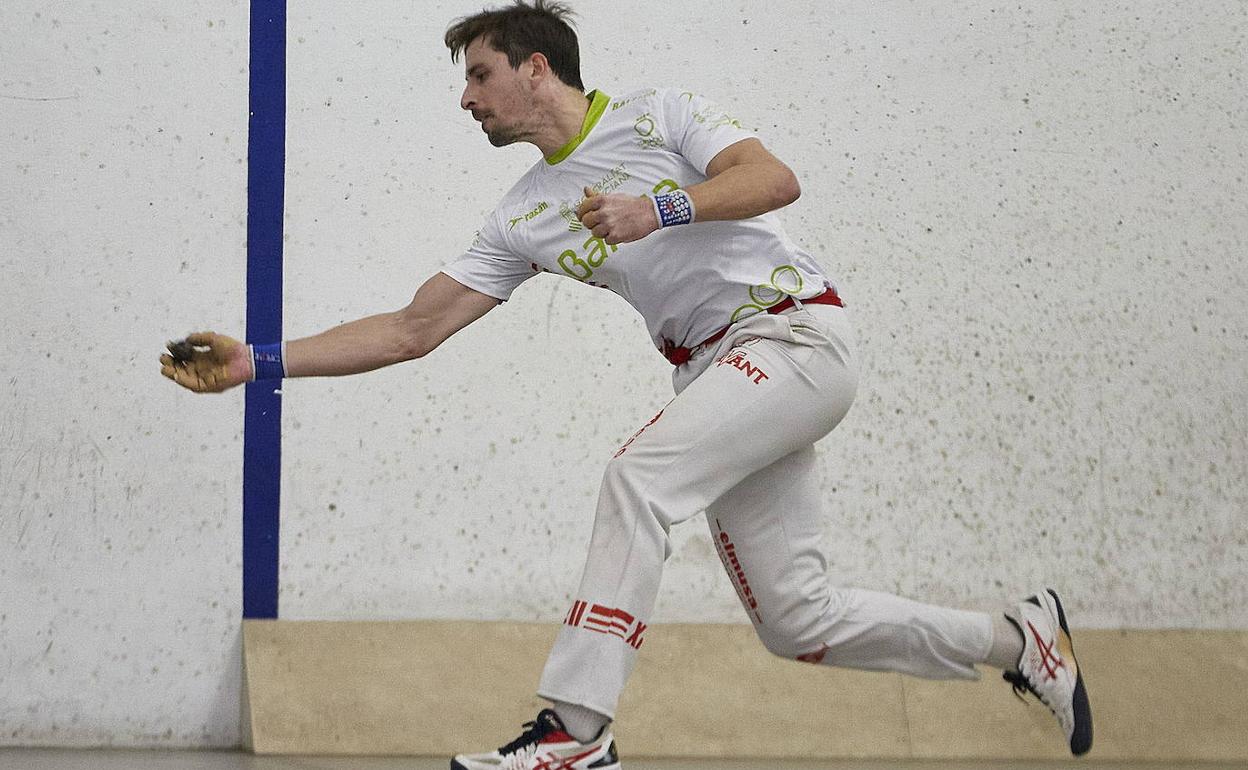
[688,282]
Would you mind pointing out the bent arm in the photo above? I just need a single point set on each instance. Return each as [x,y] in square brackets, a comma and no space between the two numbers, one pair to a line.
[745,180]
[441,307]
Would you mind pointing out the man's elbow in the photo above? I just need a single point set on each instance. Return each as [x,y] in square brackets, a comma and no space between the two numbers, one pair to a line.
[789,190]
[415,347]
[413,336]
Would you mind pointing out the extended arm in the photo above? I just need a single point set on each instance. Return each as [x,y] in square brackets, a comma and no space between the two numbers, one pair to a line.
[743,180]
[441,307]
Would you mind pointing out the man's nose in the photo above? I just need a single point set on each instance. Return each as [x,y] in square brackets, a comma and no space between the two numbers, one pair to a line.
[467,100]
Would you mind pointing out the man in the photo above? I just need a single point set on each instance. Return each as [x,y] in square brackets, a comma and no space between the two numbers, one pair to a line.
[663,198]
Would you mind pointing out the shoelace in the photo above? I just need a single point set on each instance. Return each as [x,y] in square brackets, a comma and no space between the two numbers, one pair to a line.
[1020,685]
[533,732]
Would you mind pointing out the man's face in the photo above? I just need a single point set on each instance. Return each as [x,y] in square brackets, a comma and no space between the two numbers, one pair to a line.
[497,95]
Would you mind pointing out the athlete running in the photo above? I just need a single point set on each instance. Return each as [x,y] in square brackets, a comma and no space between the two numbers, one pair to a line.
[663,198]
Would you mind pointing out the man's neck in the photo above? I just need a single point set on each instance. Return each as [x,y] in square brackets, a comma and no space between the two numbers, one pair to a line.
[564,122]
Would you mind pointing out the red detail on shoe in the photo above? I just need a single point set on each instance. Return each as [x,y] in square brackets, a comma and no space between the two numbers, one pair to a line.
[556,762]
[816,656]
[1049,659]
[558,736]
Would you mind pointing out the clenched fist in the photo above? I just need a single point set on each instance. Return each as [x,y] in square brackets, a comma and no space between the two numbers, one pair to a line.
[207,362]
[617,218]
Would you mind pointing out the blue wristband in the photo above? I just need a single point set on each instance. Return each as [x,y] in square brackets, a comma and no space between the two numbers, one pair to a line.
[673,208]
[269,361]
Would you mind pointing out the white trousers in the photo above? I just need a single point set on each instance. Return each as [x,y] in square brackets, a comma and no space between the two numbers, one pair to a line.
[737,442]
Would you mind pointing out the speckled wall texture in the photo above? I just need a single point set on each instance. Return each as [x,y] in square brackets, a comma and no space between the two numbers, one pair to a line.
[1037,216]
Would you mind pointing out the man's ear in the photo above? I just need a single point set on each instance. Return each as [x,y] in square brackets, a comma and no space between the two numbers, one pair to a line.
[540,65]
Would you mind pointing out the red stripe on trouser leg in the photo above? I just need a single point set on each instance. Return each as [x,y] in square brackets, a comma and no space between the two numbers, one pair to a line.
[816,656]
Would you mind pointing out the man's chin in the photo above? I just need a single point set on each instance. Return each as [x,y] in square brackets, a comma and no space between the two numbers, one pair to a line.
[501,140]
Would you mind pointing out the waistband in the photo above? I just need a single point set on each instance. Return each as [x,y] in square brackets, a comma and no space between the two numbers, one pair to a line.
[679,355]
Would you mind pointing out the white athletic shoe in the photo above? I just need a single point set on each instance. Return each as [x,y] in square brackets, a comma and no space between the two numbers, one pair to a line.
[546,745]
[1047,667]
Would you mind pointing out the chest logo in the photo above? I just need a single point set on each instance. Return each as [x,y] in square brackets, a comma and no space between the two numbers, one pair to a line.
[614,179]
[581,265]
[648,137]
[529,217]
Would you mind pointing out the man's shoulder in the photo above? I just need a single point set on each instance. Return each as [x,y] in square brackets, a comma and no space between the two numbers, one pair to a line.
[649,97]
[633,97]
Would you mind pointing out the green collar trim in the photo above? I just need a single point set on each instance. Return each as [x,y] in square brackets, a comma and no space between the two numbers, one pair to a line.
[597,105]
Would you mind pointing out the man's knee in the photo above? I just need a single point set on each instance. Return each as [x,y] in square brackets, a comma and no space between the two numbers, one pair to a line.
[623,476]
[632,491]
[798,634]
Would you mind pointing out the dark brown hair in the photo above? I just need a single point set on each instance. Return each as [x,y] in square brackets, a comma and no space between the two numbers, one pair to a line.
[520,30]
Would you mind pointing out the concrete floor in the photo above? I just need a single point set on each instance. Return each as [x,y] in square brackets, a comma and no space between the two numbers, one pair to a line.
[61,759]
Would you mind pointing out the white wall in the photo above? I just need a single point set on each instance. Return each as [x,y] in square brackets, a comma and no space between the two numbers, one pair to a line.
[1036,215]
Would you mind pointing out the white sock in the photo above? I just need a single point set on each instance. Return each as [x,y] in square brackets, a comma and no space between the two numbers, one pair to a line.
[1007,645]
[582,724]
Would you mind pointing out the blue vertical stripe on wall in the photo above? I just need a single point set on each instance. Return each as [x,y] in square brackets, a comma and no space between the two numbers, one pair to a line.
[266,179]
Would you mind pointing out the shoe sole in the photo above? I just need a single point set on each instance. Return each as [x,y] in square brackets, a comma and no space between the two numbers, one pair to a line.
[1081,736]
[617,766]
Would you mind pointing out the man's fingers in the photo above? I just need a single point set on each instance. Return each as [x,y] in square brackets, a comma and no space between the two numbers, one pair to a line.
[591,203]
[202,339]
[184,377]
[601,231]
[187,375]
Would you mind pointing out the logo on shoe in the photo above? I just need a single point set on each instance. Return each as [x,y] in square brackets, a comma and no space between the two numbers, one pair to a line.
[1049,660]
[555,762]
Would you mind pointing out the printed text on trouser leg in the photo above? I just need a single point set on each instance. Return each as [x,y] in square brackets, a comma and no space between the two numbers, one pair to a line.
[728,555]
[738,359]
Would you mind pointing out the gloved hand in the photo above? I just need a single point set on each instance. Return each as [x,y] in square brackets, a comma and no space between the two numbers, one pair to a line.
[207,362]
